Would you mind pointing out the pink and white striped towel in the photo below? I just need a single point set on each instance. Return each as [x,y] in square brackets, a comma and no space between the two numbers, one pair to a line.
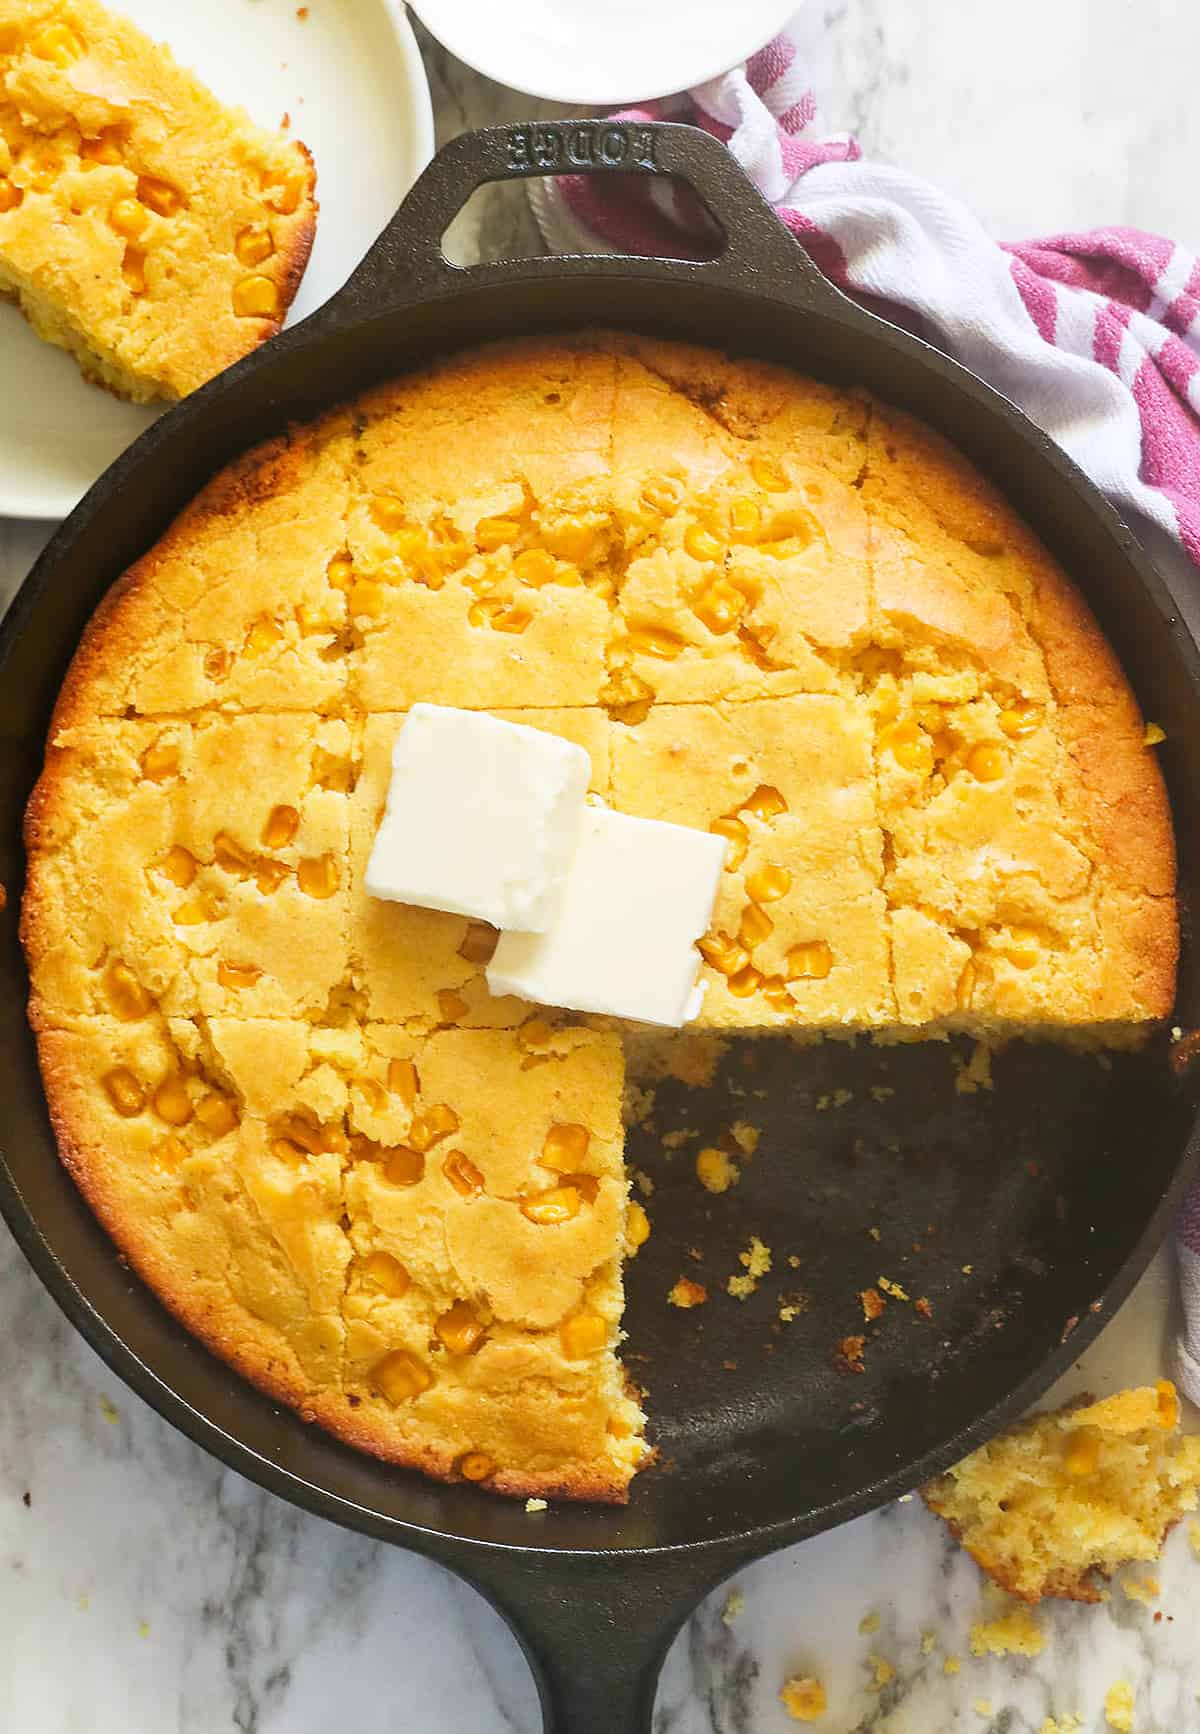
[1096,335]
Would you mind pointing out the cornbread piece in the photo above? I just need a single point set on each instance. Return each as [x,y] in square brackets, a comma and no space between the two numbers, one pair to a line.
[482,818]
[1063,1499]
[153,232]
[421,967]
[198,866]
[413,1241]
[799,932]
[638,895]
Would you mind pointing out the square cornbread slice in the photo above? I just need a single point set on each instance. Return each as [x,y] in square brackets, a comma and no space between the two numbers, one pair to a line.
[799,932]
[420,967]
[416,1242]
[200,866]
[153,232]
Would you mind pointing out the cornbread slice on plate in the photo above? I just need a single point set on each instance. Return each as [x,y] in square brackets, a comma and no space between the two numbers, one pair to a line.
[153,232]
[1059,1502]
[329,1207]
[766,608]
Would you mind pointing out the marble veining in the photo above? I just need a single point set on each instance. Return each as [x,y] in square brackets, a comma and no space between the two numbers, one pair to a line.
[146,1590]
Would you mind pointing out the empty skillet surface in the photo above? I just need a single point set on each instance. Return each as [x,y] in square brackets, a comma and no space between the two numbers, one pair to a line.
[1054,1188]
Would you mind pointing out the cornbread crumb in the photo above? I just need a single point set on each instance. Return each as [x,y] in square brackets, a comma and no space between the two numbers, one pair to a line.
[868,1624]
[976,1072]
[110,1411]
[983,1706]
[794,1260]
[968,1270]
[1154,735]
[790,1309]
[928,1643]
[1118,1707]
[875,1233]
[884,1672]
[745,1136]
[951,1665]
[848,1354]
[1068,1723]
[757,1260]
[715,1172]
[882,1092]
[803,1698]
[735,1603]
[1014,1633]
[687,1294]
[644,1183]
[675,1140]
[873,1304]
[533,1505]
[892,1288]
[1145,1590]
[924,1306]
[143,1628]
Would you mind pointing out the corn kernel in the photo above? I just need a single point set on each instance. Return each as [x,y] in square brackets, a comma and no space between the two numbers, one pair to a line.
[1020,720]
[549,1209]
[130,219]
[535,566]
[987,761]
[637,1228]
[402,1166]
[775,992]
[769,883]
[125,1093]
[626,696]
[585,1334]
[400,1376]
[724,954]
[256,298]
[217,662]
[160,761]
[340,572]
[237,975]
[126,994]
[281,827]
[169,1152]
[479,942]
[171,1101]
[744,518]
[1082,1453]
[451,1006]
[432,1126]
[910,746]
[476,1466]
[765,803]
[701,544]
[10,195]
[739,839]
[460,1328]
[1154,735]
[379,1270]
[254,244]
[483,612]
[159,195]
[287,1151]
[809,962]
[493,533]
[662,494]
[303,1133]
[285,191]
[229,854]
[217,1113]
[269,875]
[769,475]
[133,270]
[565,1147]
[1024,951]
[745,982]
[803,1698]
[756,926]
[57,43]
[655,641]
[462,1174]
[402,1081]
[373,1094]
[317,876]
[714,1170]
[331,772]
[512,620]
[720,606]
[194,912]
[105,148]
[264,634]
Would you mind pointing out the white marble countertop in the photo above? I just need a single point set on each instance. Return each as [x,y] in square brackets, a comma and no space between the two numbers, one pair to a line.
[146,1590]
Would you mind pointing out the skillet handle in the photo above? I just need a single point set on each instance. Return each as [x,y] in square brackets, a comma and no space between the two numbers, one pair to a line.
[407,260]
[596,1627]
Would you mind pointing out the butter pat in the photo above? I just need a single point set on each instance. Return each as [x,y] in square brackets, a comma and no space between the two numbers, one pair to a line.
[482,818]
[638,895]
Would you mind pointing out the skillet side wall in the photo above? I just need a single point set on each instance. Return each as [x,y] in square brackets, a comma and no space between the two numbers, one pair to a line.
[741,1484]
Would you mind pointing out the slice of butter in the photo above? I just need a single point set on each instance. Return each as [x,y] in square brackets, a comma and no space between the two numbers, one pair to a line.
[482,818]
[638,895]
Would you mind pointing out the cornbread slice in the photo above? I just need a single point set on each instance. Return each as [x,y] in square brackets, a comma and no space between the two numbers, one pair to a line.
[414,1241]
[153,232]
[1063,1499]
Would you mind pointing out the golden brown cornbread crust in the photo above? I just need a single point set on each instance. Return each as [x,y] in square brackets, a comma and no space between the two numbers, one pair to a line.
[154,233]
[762,605]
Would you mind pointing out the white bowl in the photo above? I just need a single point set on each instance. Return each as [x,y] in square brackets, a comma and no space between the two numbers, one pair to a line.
[351,79]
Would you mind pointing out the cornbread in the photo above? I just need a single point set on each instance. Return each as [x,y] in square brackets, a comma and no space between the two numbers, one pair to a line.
[766,609]
[153,232]
[1063,1499]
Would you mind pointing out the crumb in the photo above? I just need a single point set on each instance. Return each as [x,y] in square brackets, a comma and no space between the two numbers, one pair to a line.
[873,1304]
[868,1624]
[968,1270]
[85,1603]
[715,1172]
[741,1287]
[532,1505]
[1118,1707]
[735,1601]
[928,1640]
[884,1672]
[803,1698]
[848,1355]
[983,1706]
[143,1628]
[687,1294]
[1142,1589]
[975,1073]
[695,1252]
[756,1258]
[639,1104]
[951,1665]
[1154,735]
[793,1261]
[875,1234]
[892,1288]
[1070,1723]
[729,1366]
[822,1104]
[110,1411]
[644,1183]
[676,1140]
[1015,1633]
[791,1306]
[881,1092]
[924,1306]
[745,1137]
[302,13]
[285,124]
[27,1499]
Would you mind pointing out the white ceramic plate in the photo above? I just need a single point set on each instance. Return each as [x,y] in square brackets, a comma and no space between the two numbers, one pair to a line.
[604,53]
[350,76]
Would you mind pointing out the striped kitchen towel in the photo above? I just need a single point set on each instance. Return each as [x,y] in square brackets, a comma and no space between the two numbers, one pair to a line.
[1096,335]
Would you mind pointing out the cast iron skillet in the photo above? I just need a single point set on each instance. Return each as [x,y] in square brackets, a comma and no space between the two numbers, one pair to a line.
[1054,1189]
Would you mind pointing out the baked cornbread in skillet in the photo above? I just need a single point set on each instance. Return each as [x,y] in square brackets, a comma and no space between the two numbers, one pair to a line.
[155,233]
[765,607]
